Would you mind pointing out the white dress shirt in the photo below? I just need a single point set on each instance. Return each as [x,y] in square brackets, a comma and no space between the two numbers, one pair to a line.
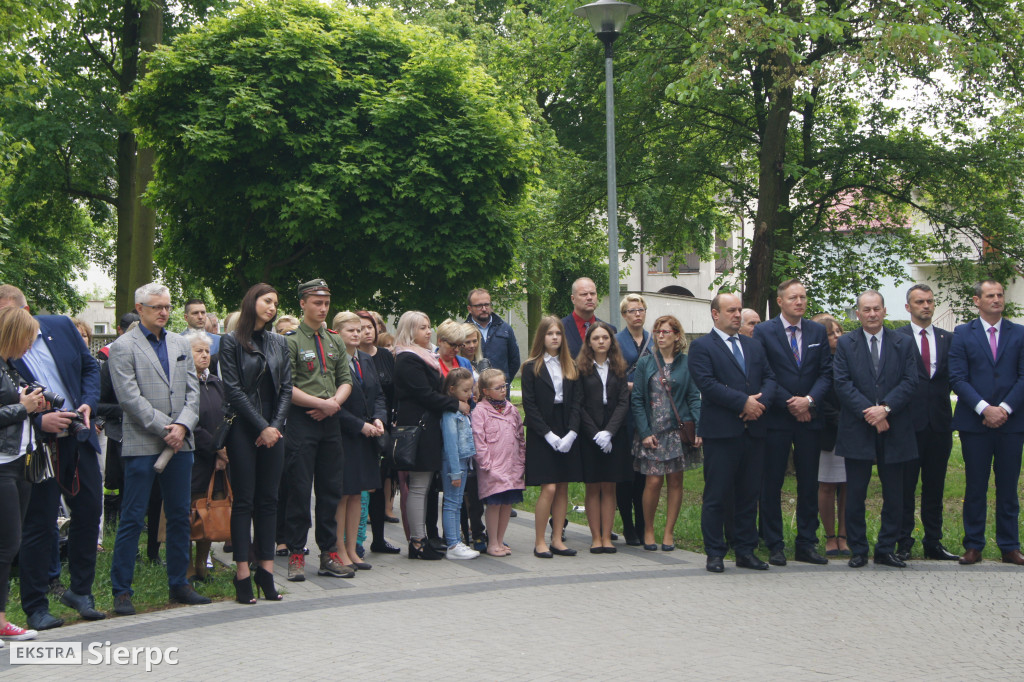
[726,337]
[602,371]
[555,370]
[985,326]
[929,331]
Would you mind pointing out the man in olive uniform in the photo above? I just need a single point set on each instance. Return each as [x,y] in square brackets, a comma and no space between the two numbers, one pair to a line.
[321,382]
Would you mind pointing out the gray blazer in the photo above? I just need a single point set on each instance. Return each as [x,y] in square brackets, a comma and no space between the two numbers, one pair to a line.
[149,401]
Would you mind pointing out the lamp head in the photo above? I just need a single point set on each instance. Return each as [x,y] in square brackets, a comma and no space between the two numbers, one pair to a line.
[607,17]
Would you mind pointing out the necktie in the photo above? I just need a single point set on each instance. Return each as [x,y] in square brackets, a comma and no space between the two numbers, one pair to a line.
[874,354]
[926,353]
[736,351]
[793,344]
[992,341]
[358,370]
[320,350]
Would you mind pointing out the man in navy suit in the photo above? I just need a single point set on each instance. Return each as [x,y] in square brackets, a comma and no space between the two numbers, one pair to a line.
[986,370]
[933,416]
[801,359]
[875,375]
[60,361]
[576,323]
[737,386]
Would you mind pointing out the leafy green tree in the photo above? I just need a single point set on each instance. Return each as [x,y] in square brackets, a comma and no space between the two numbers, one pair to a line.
[298,140]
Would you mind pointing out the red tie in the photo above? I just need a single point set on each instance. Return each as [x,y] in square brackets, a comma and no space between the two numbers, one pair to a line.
[320,350]
[926,353]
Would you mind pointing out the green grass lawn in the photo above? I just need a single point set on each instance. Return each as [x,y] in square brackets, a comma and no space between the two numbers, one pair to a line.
[150,586]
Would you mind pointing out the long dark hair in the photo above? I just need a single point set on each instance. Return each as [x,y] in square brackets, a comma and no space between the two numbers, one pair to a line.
[247,315]
[537,351]
[585,359]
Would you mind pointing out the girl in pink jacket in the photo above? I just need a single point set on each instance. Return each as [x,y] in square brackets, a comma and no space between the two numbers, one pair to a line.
[500,456]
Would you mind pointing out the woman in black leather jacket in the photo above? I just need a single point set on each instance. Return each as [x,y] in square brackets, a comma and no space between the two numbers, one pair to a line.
[257,375]
[17,332]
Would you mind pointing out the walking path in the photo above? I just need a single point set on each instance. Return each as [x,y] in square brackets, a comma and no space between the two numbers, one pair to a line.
[632,615]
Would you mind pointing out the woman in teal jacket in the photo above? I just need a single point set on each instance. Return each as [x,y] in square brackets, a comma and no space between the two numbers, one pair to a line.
[664,397]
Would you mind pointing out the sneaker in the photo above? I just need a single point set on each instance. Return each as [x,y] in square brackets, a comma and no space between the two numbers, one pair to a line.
[14,633]
[461,551]
[480,545]
[296,568]
[330,564]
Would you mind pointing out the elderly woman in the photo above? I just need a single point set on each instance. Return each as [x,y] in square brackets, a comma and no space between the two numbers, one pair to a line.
[664,396]
[362,421]
[207,458]
[450,337]
[634,342]
[17,332]
[421,402]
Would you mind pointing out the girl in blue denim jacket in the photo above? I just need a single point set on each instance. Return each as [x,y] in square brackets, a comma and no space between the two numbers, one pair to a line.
[457,432]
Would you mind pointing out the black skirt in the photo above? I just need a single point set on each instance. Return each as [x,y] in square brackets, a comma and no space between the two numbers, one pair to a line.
[362,465]
[612,467]
[546,465]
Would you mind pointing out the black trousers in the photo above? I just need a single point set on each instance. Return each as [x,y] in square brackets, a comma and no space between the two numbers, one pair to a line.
[858,475]
[314,463]
[433,496]
[375,509]
[933,449]
[14,494]
[731,464]
[255,474]
[629,497]
[804,443]
[78,469]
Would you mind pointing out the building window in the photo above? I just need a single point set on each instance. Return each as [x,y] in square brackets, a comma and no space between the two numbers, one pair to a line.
[723,257]
[663,265]
[99,328]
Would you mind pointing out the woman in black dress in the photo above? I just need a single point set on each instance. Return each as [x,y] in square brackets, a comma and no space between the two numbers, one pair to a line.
[551,400]
[362,421]
[604,448]
[257,372]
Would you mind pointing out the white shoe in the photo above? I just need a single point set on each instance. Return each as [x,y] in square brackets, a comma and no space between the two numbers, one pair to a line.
[461,551]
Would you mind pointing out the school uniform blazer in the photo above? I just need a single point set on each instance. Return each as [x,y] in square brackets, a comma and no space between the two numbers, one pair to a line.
[813,376]
[931,407]
[725,387]
[539,404]
[595,415]
[366,402]
[858,389]
[77,368]
[150,400]
[975,376]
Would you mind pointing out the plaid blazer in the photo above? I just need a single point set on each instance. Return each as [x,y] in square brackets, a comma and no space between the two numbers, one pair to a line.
[149,401]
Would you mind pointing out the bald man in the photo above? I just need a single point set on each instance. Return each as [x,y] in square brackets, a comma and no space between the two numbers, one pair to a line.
[584,303]
[748,320]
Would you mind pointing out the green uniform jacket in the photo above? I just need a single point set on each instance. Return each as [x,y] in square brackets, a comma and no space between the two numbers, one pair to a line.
[308,372]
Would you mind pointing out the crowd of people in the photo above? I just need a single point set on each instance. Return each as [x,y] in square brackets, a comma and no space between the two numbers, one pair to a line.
[293,414]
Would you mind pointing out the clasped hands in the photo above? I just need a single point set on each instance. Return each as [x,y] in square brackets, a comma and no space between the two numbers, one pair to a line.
[373,429]
[877,416]
[604,441]
[799,407]
[994,416]
[562,444]
[752,409]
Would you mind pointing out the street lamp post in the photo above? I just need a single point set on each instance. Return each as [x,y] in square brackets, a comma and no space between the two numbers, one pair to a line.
[608,18]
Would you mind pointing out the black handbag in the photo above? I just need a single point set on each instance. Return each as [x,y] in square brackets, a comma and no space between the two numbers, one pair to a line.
[405,441]
[220,436]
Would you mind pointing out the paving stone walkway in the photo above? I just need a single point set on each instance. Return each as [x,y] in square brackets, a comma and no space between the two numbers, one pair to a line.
[631,615]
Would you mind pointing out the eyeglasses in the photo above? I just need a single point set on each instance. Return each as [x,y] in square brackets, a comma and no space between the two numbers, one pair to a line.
[158,308]
[480,305]
[636,311]
[500,389]
[663,332]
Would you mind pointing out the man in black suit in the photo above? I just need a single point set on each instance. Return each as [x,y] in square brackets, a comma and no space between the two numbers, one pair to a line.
[801,360]
[737,386]
[932,414]
[576,323]
[875,374]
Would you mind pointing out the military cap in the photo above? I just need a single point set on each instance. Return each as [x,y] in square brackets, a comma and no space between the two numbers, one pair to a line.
[316,287]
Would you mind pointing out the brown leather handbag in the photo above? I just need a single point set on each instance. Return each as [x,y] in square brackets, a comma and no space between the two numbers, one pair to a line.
[211,519]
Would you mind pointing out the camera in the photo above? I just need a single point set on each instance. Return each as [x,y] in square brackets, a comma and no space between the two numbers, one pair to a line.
[55,401]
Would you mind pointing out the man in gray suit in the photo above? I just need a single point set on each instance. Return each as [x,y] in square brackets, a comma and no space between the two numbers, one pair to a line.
[156,384]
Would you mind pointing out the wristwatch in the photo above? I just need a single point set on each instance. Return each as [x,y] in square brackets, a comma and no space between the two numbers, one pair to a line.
[887,408]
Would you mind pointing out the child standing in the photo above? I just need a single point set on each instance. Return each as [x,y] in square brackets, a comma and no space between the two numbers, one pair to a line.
[500,457]
[457,432]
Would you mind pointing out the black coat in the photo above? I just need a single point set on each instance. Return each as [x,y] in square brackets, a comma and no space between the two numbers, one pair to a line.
[366,403]
[931,406]
[418,397]
[543,463]
[211,416]
[108,407]
[241,371]
[596,415]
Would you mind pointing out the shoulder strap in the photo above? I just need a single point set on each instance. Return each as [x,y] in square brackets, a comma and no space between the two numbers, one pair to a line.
[667,386]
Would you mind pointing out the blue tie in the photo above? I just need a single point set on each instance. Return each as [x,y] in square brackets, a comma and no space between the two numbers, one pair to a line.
[736,351]
[792,343]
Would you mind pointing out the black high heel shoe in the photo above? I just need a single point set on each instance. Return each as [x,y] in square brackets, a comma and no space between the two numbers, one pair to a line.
[243,591]
[265,583]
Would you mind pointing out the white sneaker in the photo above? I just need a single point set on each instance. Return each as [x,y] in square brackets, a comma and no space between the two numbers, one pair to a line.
[461,551]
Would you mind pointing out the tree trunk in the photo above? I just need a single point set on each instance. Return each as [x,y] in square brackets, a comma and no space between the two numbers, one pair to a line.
[151,31]
[534,304]
[772,195]
[124,292]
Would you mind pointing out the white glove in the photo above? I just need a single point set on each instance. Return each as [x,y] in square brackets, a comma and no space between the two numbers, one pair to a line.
[552,439]
[603,440]
[566,443]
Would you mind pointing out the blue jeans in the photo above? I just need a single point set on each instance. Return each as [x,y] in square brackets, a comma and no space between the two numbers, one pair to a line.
[176,488]
[451,512]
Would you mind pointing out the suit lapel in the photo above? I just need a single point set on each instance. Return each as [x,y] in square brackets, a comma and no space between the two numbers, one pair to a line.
[728,350]
[545,376]
[783,338]
[1005,331]
[982,338]
[942,342]
[889,342]
[147,349]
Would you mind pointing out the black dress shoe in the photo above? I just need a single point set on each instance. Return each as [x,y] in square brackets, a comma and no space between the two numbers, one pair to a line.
[186,594]
[858,561]
[715,564]
[609,550]
[542,555]
[615,536]
[890,559]
[940,553]
[633,541]
[903,554]
[810,556]
[123,604]
[777,558]
[43,620]
[651,548]
[512,514]
[667,548]
[384,548]
[84,604]
[750,561]
[563,552]
[597,550]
